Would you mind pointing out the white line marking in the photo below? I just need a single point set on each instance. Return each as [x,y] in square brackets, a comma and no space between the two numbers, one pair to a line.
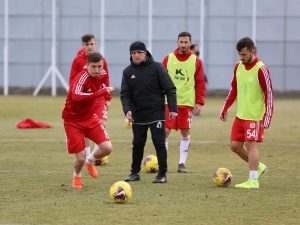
[129,141]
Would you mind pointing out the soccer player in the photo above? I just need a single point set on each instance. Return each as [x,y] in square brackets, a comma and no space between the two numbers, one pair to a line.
[186,71]
[251,85]
[145,83]
[80,120]
[79,63]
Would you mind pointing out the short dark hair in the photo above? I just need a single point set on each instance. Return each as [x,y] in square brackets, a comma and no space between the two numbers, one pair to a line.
[94,57]
[185,34]
[245,42]
[87,37]
[193,46]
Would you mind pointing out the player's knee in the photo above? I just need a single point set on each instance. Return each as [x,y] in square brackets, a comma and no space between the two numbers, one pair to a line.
[80,159]
[234,148]
[107,149]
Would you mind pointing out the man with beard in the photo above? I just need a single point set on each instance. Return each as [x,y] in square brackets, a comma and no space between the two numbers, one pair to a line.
[186,72]
[251,85]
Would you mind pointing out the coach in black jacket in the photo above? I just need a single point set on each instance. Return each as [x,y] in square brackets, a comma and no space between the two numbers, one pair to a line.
[145,83]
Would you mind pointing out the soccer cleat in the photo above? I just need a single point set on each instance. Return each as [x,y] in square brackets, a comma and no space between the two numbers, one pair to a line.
[261,169]
[92,170]
[161,178]
[249,184]
[181,168]
[77,182]
[133,177]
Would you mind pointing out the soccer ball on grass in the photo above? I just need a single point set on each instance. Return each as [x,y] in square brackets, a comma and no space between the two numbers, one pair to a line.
[222,177]
[120,192]
[102,161]
[150,164]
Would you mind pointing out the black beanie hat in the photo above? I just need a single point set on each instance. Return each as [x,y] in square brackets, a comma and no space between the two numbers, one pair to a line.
[138,46]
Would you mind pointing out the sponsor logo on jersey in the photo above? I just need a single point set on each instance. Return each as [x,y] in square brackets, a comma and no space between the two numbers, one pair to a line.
[103,72]
[252,125]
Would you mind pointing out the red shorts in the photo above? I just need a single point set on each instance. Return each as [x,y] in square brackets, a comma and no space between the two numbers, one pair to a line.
[76,131]
[100,110]
[182,121]
[246,130]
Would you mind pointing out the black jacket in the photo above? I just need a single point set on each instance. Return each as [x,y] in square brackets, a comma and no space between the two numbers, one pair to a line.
[143,91]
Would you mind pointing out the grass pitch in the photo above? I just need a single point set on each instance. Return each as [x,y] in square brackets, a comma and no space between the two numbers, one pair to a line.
[36,172]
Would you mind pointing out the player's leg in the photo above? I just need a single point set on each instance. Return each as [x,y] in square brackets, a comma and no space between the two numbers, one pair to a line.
[184,124]
[158,134]
[75,145]
[251,132]
[97,133]
[237,140]
[139,141]
[168,125]
[101,112]
[87,146]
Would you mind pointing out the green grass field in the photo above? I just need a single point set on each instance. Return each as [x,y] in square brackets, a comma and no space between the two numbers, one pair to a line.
[36,172]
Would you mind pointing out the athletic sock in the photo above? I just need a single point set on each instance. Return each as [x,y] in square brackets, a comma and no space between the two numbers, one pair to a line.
[184,149]
[253,175]
[167,144]
[88,151]
[76,174]
[90,159]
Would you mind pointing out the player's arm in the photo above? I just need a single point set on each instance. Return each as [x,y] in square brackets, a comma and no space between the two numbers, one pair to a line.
[168,87]
[165,61]
[266,85]
[125,95]
[78,87]
[231,96]
[200,87]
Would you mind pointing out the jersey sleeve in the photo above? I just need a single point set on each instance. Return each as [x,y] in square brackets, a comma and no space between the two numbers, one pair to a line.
[200,87]
[165,61]
[266,85]
[74,71]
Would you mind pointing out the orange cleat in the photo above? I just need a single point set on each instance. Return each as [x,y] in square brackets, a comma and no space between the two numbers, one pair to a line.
[77,182]
[92,170]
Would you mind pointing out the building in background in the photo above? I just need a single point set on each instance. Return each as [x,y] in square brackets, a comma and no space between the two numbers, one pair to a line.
[277,35]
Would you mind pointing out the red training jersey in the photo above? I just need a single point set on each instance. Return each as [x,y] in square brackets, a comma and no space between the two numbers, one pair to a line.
[266,85]
[200,87]
[79,63]
[81,98]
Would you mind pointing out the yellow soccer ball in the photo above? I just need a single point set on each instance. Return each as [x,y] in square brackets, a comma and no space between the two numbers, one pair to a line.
[127,124]
[150,164]
[120,192]
[222,177]
[101,162]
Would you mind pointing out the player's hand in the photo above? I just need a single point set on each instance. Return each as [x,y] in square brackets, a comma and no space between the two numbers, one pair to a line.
[110,89]
[197,109]
[172,115]
[129,116]
[107,104]
[266,122]
[223,116]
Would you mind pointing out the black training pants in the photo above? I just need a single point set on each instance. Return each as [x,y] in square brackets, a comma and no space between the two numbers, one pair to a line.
[158,134]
